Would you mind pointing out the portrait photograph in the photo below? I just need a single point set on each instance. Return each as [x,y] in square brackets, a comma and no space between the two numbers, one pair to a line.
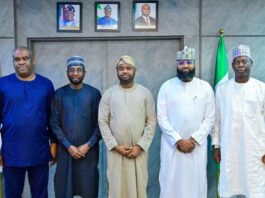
[145,15]
[107,16]
[69,17]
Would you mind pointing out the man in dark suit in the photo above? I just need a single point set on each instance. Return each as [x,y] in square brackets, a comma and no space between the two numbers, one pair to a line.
[145,20]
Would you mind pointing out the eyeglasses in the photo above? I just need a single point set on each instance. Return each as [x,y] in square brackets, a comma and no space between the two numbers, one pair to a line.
[244,62]
[187,62]
[24,58]
[78,70]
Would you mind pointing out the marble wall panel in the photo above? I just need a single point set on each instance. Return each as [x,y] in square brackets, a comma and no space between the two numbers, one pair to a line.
[237,17]
[6,63]
[7,19]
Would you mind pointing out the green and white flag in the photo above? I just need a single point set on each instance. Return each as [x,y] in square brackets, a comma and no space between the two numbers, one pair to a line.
[221,68]
[221,75]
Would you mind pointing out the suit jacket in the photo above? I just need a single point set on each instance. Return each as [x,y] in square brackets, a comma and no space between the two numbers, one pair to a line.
[141,22]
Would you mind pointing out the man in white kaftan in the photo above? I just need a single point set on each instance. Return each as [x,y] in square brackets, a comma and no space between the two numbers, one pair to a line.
[127,123]
[240,131]
[186,114]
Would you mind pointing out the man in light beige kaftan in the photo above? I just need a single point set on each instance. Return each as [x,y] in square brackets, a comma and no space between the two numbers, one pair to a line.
[127,123]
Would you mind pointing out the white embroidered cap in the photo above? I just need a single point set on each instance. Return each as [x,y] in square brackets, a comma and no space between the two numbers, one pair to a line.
[241,50]
[186,54]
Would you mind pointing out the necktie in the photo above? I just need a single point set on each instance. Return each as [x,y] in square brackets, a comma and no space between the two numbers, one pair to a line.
[148,21]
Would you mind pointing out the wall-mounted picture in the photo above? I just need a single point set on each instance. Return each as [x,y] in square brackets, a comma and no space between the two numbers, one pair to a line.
[69,17]
[145,15]
[107,16]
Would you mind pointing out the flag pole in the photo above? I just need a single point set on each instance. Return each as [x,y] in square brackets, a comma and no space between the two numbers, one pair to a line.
[221,74]
[221,33]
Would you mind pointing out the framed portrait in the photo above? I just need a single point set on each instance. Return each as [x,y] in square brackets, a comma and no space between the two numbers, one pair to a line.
[145,15]
[107,16]
[69,17]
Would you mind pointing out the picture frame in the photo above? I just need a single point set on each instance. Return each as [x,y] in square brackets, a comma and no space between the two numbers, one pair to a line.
[107,16]
[69,17]
[145,15]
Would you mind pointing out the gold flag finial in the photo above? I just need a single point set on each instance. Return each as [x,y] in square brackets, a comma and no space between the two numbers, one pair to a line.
[221,32]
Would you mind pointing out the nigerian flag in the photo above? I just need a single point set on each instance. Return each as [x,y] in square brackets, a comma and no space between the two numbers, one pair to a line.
[221,69]
[221,75]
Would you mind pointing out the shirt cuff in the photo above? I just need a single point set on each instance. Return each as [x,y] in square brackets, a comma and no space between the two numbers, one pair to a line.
[89,143]
[176,141]
[67,144]
[215,147]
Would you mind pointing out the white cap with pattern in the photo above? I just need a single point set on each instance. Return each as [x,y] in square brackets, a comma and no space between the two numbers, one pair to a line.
[75,61]
[241,50]
[186,54]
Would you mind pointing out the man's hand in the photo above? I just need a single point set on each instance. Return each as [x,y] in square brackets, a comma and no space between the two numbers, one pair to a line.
[1,161]
[134,152]
[193,140]
[75,153]
[53,150]
[123,150]
[185,145]
[263,159]
[217,155]
[84,148]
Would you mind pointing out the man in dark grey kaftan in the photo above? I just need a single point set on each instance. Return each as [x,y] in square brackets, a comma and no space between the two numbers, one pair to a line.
[74,122]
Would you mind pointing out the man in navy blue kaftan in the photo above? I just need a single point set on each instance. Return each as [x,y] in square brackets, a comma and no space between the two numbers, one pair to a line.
[74,122]
[25,99]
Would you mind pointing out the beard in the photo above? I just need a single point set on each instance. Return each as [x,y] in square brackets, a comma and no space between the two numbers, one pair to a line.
[186,76]
[126,81]
[76,81]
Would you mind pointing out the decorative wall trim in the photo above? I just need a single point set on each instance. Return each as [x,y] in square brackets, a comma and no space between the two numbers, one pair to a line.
[32,40]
